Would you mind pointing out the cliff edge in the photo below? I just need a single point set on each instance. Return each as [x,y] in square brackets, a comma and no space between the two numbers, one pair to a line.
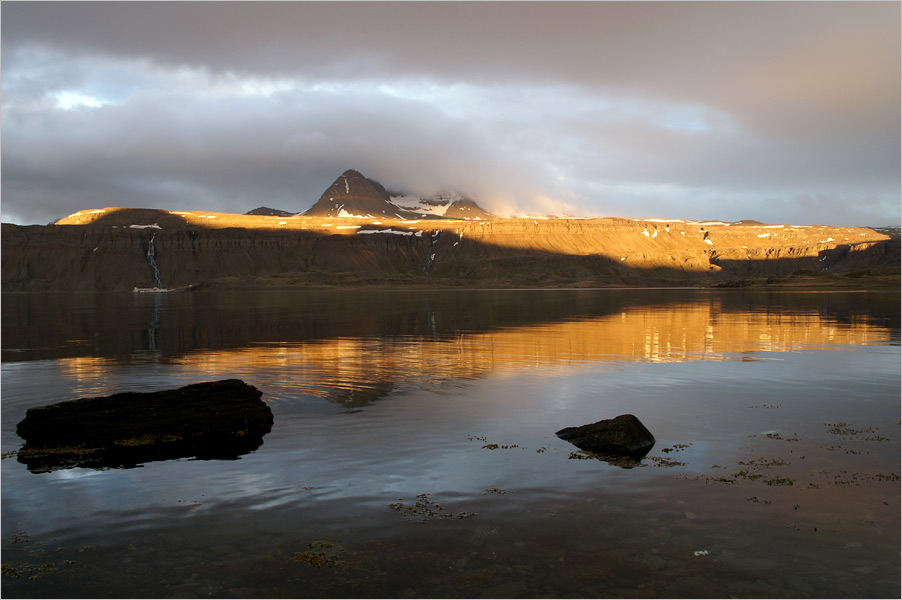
[117,249]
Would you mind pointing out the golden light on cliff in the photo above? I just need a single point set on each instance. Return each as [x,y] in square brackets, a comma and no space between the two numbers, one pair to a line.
[611,251]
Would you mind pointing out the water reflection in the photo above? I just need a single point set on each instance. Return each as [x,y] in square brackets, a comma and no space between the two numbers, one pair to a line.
[473,387]
[355,370]
[164,327]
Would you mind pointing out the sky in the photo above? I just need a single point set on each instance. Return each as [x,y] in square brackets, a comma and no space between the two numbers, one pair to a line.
[777,112]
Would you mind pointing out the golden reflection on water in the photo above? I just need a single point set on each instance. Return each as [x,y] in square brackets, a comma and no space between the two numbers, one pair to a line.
[356,369]
[90,375]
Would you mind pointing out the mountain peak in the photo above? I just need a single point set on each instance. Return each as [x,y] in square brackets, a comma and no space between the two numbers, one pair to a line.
[353,195]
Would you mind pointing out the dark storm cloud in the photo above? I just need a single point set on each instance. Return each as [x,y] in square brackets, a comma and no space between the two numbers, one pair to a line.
[178,150]
[774,111]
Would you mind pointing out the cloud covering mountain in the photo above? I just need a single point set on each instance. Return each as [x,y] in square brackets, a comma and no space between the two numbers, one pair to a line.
[353,195]
[780,112]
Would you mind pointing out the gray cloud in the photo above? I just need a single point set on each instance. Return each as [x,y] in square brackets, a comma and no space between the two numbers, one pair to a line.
[771,111]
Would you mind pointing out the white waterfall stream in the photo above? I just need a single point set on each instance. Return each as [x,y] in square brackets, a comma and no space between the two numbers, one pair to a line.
[155,271]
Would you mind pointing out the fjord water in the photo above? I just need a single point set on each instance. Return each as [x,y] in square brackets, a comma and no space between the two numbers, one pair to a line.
[413,451]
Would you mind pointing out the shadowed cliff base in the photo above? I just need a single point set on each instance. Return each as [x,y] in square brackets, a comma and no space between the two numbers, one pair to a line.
[124,249]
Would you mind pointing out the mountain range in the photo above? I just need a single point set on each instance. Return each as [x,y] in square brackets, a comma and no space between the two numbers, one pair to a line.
[360,234]
[354,196]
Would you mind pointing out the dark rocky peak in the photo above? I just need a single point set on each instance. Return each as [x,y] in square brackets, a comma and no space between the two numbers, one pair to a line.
[353,185]
[352,194]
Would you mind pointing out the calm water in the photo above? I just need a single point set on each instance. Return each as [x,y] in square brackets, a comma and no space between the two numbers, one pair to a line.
[413,451]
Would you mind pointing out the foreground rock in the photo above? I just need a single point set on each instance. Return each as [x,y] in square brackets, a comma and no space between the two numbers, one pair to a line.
[214,420]
[621,436]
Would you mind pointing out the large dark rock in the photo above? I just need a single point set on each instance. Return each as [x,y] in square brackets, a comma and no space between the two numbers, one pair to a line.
[215,420]
[621,436]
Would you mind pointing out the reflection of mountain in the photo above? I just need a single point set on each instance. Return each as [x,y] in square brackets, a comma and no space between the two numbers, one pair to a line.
[354,370]
[353,394]
[160,328]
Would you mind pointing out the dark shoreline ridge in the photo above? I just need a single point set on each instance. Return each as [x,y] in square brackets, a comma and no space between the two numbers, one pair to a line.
[112,253]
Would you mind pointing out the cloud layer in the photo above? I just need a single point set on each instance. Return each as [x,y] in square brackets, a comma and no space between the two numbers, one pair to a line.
[780,112]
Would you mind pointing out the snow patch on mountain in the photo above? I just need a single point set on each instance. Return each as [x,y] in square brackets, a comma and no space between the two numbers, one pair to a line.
[345,214]
[388,231]
[436,207]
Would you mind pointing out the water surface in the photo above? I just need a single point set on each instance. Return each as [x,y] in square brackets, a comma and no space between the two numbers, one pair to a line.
[413,449]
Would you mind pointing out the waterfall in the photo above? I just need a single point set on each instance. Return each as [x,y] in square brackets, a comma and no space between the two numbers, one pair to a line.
[430,255]
[157,280]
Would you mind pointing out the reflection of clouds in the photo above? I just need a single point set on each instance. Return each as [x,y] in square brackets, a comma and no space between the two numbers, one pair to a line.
[110,490]
[356,370]
[66,474]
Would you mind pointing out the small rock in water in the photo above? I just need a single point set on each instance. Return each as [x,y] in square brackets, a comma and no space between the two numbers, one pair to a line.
[621,436]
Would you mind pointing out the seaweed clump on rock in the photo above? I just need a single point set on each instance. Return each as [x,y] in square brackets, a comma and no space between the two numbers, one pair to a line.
[219,420]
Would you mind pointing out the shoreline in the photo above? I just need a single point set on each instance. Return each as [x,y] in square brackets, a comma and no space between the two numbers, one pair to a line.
[872,284]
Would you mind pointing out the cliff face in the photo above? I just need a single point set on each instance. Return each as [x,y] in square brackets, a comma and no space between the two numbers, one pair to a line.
[650,251]
[114,249]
